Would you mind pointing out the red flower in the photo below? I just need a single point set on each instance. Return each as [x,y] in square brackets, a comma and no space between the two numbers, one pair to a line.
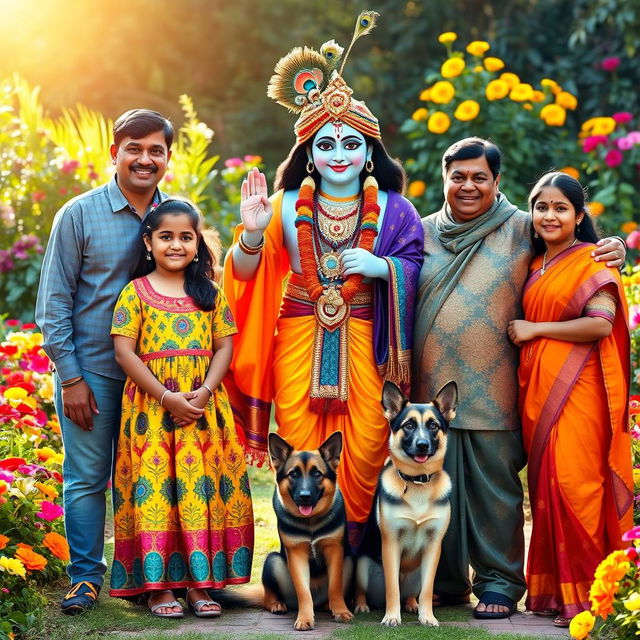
[12,322]
[613,158]
[622,117]
[611,63]
[69,166]
[11,464]
[27,326]
[7,412]
[38,196]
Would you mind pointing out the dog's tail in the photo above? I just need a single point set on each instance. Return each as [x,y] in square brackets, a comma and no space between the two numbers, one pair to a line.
[250,595]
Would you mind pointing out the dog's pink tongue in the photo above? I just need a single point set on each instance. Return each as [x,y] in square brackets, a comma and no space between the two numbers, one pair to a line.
[420,458]
[305,509]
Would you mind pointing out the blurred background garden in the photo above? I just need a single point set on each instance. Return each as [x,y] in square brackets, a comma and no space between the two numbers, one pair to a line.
[553,82]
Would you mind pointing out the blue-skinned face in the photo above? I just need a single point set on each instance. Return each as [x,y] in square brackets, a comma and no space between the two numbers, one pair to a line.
[339,153]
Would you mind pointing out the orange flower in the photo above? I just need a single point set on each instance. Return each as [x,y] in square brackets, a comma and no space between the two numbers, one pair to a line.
[425,95]
[47,490]
[467,110]
[442,92]
[510,78]
[416,188]
[493,64]
[601,596]
[521,92]
[552,84]
[627,228]
[538,96]
[613,567]
[553,115]
[31,560]
[496,90]
[595,209]
[452,67]
[22,545]
[478,47]
[570,171]
[566,100]
[438,122]
[420,115]
[3,541]
[58,545]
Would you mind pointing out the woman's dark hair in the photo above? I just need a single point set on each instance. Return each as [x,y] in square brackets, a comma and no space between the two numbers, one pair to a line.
[387,171]
[139,123]
[199,274]
[571,189]
[469,148]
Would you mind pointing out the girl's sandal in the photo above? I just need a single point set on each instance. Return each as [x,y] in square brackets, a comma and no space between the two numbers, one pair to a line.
[561,621]
[155,609]
[198,607]
[547,613]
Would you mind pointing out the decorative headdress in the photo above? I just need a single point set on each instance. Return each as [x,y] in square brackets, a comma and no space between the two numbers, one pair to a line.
[307,82]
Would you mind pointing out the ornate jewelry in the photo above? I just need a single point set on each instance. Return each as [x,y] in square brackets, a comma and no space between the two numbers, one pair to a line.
[310,167]
[544,258]
[337,221]
[248,249]
[369,166]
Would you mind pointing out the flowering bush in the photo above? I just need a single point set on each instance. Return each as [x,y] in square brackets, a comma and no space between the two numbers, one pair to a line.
[33,550]
[632,292]
[473,94]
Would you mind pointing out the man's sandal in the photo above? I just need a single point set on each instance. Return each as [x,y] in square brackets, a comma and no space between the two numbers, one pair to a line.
[155,608]
[492,597]
[80,598]
[198,607]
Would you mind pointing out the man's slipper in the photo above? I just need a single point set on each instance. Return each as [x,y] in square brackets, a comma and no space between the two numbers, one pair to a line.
[449,600]
[491,597]
[80,598]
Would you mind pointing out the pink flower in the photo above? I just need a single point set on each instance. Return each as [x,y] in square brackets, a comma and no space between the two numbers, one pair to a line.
[610,64]
[233,162]
[169,177]
[69,166]
[253,159]
[624,144]
[93,175]
[39,364]
[622,117]
[633,240]
[613,158]
[634,136]
[632,534]
[49,511]
[7,476]
[38,196]
[634,317]
[593,142]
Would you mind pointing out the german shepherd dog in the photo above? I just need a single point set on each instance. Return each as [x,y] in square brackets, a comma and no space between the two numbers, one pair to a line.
[411,510]
[314,562]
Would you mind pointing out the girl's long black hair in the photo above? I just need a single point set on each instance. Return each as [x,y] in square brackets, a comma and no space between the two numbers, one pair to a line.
[586,231]
[198,275]
[387,171]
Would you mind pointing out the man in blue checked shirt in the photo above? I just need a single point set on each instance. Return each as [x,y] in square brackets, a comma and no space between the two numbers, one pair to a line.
[91,254]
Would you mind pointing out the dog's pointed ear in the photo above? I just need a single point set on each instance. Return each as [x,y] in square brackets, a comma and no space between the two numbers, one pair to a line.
[393,400]
[279,450]
[331,449]
[447,400]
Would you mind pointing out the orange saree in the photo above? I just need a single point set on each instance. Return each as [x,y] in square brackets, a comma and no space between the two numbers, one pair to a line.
[574,407]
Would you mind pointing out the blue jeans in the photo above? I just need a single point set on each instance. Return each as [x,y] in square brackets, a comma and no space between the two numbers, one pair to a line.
[88,461]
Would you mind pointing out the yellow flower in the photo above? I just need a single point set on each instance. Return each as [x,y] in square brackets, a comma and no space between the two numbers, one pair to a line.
[613,567]
[12,566]
[447,36]
[553,115]
[601,127]
[442,92]
[496,90]
[478,68]
[628,227]
[587,125]
[566,100]
[47,490]
[527,106]
[538,96]
[581,625]
[595,209]
[510,78]
[425,95]
[416,188]
[521,92]
[44,453]
[15,395]
[467,110]
[478,47]
[452,67]
[632,603]
[552,84]
[420,115]
[439,122]
[493,64]
[570,171]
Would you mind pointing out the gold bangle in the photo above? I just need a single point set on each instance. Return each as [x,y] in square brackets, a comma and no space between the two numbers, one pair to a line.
[70,383]
[248,249]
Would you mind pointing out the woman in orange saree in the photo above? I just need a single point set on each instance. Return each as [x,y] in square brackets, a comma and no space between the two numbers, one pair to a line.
[574,385]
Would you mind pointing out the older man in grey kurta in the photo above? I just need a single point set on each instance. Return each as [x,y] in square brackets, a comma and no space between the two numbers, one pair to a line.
[477,252]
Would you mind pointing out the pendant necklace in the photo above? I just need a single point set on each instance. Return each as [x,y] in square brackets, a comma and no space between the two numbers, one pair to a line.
[544,258]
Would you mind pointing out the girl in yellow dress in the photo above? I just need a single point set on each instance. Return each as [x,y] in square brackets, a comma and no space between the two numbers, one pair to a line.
[182,503]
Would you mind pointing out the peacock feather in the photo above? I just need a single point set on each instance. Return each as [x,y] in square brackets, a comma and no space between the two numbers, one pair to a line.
[365,24]
[332,51]
[299,78]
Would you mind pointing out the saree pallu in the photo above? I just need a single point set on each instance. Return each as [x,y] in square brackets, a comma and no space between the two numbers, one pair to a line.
[574,407]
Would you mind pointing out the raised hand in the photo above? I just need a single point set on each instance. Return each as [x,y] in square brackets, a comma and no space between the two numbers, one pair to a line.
[255,208]
[363,262]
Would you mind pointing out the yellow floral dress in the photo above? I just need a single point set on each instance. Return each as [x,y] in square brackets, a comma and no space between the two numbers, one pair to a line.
[182,504]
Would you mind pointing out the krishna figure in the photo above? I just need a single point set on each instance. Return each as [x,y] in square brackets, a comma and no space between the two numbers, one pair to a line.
[322,279]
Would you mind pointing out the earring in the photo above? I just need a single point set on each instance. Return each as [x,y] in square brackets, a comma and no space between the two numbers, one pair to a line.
[196,258]
[148,255]
[369,166]
[310,167]
[535,235]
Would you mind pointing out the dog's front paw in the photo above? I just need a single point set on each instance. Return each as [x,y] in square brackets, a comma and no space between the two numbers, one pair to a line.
[362,607]
[342,614]
[278,607]
[428,621]
[411,605]
[303,623]
[391,619]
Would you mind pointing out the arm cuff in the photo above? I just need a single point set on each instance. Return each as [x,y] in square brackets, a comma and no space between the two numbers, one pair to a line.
[67,368]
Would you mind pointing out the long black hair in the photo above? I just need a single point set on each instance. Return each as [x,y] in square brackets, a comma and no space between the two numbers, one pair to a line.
[571,189]
[387,171]
[198,275]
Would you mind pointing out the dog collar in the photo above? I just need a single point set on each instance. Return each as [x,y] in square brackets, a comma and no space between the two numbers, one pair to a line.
[421,479]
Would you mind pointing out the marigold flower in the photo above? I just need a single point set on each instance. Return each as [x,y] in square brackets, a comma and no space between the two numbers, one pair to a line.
[553,115]
[416,188]
[613,567]
[538,96]
[496,90]
[58,545]
[587,125]
[420,115]
[521,92]
[478,68]
[552,84]
[4,540]
[613,158]
[467,110]
[566,100]
[478,47]
[442,92]
[493,64]
[32,561]
[601,596]
[47,490]
[452,67]
[510,78]
[12,566]
[527,106]
[603,126]
[581,625]
[439,122]
[425,95]
[627,228]
[447,36]
[570,171]
[595,209]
